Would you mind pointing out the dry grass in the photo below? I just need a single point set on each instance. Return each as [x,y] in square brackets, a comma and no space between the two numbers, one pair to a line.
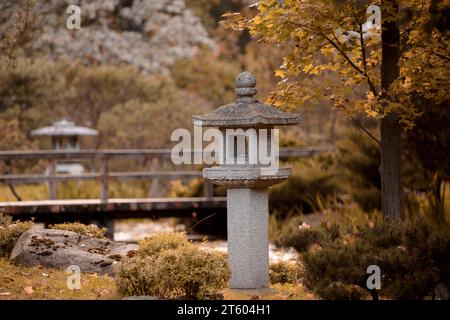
[20,283]
[75,190]
[24,283]
[278,292]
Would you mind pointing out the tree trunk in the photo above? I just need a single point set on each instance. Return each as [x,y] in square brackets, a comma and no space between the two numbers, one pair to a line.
[390,130]
[391,184]
[374,294]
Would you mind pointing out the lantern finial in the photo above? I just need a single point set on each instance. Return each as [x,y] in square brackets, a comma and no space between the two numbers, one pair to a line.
[245,86]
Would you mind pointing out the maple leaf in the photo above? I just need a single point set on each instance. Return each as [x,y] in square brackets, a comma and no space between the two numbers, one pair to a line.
[28,289]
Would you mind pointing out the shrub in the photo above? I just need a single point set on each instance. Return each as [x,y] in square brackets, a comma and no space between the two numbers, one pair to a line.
[10,233]
[335,272]
[159,242]
[294,234]
[282,272]
[413,259]
[300,236]
[169,266]
[5,220]
[87,230]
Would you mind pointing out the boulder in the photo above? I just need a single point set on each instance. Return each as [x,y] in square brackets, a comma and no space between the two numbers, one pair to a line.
[60,249]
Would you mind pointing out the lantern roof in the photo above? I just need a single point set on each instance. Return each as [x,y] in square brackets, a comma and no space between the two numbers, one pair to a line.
[246,111]
[64,127]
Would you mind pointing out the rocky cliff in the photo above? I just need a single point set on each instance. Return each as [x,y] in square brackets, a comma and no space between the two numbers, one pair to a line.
[150,34]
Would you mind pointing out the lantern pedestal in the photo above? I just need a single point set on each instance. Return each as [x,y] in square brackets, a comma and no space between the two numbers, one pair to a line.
[248,238]
[247,220]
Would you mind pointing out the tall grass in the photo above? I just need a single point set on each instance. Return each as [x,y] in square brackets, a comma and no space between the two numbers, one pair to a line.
[77,190]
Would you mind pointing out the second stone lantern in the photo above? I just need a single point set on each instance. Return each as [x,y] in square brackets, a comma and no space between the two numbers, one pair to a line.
[248,166]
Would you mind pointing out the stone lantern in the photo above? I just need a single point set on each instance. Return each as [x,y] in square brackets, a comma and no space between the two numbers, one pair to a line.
[248,140]
[65,135]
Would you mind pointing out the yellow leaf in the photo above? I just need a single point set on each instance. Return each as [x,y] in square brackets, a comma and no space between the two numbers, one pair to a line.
[28,289]
[280,73]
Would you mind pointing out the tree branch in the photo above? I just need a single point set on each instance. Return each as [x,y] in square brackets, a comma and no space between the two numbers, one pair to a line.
[359,124]
[10,185]
[363,53]
[337,45]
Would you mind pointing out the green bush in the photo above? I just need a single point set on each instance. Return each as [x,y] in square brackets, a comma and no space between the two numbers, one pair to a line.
[169,266]
[413,259]
[282,272]
[87,230]
[10,233]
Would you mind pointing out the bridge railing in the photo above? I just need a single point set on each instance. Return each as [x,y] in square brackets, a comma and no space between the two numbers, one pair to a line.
[105,175]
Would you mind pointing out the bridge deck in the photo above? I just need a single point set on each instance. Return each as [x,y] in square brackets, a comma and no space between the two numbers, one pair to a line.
[92,209]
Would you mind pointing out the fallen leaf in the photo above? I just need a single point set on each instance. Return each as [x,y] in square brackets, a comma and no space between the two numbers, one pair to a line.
[310,296]
[28,289]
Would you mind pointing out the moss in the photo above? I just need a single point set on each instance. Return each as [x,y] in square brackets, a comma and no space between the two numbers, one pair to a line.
[87,230]
[169,266]
[10,233]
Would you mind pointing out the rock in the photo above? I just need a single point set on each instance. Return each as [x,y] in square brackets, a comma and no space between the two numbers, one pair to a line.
[59,249]
[151,35]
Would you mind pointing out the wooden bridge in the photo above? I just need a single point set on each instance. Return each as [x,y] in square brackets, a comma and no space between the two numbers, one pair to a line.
[54,210]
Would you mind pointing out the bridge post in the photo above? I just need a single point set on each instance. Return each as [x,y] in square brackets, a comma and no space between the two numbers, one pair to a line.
[153,190]
[104,181]
[52,187]
[208,189]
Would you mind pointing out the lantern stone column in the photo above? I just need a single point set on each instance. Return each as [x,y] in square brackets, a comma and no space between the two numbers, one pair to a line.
[248,237]
[247,180]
